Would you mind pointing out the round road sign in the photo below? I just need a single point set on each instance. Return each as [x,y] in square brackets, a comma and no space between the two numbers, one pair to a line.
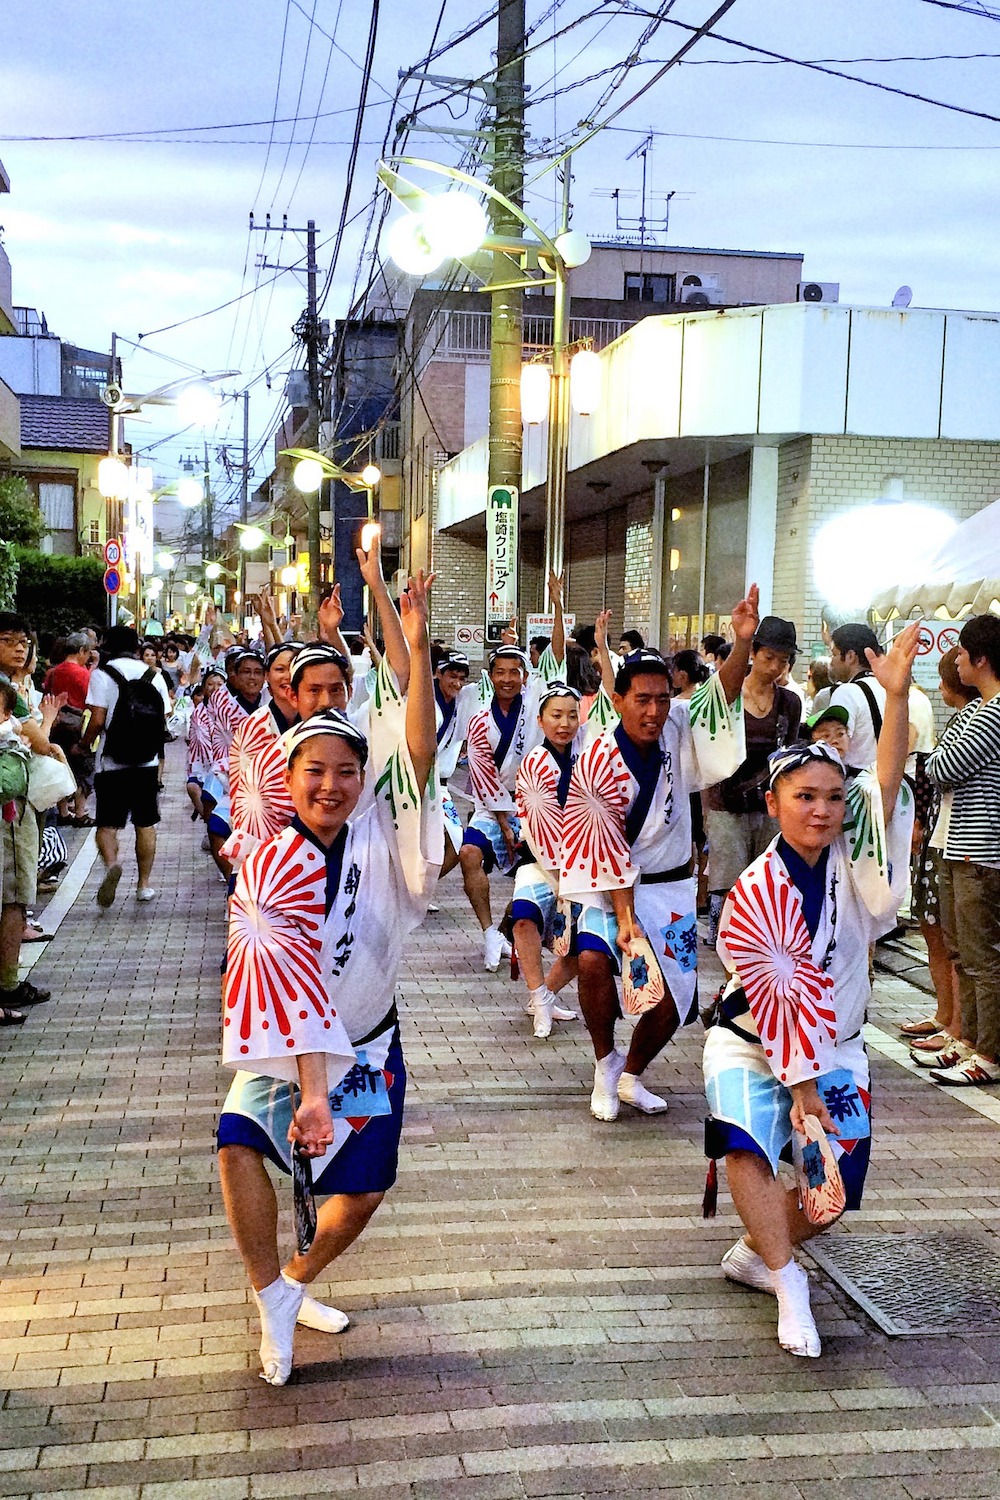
[112,554]
[112,581]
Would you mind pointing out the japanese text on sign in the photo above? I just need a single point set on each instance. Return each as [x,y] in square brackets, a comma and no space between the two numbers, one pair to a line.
[501,559]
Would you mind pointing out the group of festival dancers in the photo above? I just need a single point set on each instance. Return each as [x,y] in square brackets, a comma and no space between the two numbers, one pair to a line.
[328,805]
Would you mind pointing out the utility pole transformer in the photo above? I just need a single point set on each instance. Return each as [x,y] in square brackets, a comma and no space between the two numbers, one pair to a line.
[505,306]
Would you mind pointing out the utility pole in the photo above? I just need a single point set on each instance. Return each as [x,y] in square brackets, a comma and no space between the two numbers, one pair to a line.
[308,330]
[313,335]
[558,434]
[208,538]
[507,177]
[244,496]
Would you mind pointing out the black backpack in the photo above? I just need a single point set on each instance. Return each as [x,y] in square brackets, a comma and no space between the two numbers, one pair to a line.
[137,731]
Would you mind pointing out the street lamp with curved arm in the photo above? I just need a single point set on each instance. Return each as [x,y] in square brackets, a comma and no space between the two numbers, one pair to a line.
[556,258]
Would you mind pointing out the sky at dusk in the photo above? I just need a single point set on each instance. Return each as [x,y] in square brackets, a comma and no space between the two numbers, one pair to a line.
[134,235]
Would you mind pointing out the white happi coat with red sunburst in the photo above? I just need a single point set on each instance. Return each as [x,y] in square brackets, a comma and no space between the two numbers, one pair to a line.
[807,996]
[303,979]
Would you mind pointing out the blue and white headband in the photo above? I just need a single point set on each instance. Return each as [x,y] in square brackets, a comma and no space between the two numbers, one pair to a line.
[557,689]
[331,721]
[510,653]
[319,656]
[794,757]
[272,656]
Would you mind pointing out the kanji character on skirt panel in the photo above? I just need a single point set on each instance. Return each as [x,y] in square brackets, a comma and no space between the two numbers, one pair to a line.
[794,937]
[318,922]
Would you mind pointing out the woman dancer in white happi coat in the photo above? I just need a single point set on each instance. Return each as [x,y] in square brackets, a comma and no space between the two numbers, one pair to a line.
[794,936]
[318,922]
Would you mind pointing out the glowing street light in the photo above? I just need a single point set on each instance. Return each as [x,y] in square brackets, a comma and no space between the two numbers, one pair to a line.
[252,537]
[166,561]
[453,224]
[190,492]
[586,378]
[190,589]
[289,576]
[113,478]
[198,405]
[535,380]
[371,475]
[213,570]
[308,475]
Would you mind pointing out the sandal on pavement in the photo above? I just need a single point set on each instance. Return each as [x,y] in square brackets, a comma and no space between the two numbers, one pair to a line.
[11,1017]
[927,1027]
[33,934]
[934,1043]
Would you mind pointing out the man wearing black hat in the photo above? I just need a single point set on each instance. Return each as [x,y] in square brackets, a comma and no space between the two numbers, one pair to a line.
[738,824]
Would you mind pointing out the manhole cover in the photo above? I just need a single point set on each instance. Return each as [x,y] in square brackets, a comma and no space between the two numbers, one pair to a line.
[916,1283]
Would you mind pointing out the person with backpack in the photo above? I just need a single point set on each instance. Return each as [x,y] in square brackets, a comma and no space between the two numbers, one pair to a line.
[857,690]
[128,704]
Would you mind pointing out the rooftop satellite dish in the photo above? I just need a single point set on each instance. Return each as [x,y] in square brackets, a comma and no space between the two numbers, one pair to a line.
[903,297]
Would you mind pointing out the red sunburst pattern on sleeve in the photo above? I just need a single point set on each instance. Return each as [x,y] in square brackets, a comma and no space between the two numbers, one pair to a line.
[261,805]
[538,806]
[595,850]
[790,997]
[274,999]
[198,742]
[250,738]
[483,773]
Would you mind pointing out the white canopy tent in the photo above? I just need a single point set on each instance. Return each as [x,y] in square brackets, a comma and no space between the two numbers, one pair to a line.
[962,577]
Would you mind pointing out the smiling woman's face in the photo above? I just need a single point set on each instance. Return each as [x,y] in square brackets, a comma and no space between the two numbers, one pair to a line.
[324,781]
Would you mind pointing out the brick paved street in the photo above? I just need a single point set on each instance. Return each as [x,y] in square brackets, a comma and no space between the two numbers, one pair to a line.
[537,1307]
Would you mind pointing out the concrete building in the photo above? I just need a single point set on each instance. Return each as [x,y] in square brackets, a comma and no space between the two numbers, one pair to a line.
[726,442]
[444,402]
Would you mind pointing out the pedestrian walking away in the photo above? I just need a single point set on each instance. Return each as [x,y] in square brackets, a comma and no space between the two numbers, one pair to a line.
[318,923]
[128,706]
[786,1048]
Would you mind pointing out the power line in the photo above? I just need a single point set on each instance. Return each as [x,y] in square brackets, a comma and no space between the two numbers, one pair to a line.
[870,83]
[751,140]
[590,129]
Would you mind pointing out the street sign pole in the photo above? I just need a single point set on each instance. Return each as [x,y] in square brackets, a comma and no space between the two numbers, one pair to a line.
[501,560]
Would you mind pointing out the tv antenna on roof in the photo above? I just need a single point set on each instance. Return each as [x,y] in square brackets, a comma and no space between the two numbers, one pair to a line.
[903,297]
[649,226]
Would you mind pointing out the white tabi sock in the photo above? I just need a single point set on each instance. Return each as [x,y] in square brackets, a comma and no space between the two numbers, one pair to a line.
[278,1305]
[318,1315]
[797,1332]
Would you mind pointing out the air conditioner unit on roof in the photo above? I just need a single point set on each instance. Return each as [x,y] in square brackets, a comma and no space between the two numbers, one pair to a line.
[818,291]
[696,289]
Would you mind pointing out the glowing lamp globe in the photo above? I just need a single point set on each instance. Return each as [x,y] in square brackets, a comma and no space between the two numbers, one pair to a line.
[155,587]
[585,380]
[198,406]
[369,535]
[190,492]
[113,479]
[251,537]
[534,394]
[454,225]
[190,589]
[371,474]
[289,576]
[574,247]
[165,560]
[213,571]
[307,475]
[410,249]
